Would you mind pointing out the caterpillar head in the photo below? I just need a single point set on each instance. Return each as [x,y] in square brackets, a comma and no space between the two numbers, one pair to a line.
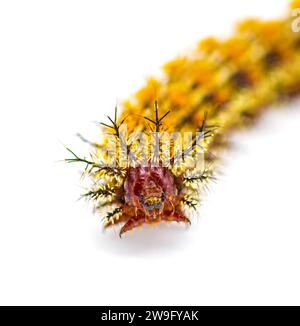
[150,190]
[143,193]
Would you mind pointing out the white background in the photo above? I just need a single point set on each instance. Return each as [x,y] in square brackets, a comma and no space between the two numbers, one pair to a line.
[63,64]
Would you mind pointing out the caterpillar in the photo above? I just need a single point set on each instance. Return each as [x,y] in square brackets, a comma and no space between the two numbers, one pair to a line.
[157,157]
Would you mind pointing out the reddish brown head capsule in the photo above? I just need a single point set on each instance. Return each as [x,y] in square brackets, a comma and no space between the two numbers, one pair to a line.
[153,194]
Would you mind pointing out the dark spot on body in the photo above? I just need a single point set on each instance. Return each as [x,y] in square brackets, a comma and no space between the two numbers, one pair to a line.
[240,80]
[272,59]
[209,98]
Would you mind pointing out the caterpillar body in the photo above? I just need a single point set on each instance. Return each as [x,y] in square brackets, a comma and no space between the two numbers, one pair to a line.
[158,156]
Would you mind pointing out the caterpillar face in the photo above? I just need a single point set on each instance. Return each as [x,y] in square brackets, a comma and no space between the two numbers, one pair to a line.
[153,194]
